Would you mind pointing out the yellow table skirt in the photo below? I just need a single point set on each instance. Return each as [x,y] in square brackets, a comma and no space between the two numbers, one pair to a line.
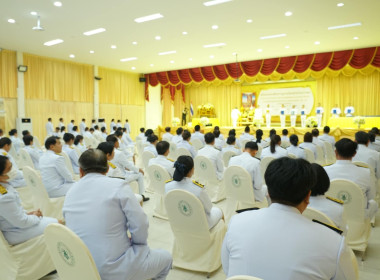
[213,121]
[349,122]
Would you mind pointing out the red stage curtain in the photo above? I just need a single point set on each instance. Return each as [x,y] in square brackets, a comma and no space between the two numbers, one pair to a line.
[303,63]
[286,64]
[321,61]
[234,70]
[376,59]
[207,73]
[362,57]
[173,77]
[269,66]
[340,59]
[184,75]
[252,68]
[220,72]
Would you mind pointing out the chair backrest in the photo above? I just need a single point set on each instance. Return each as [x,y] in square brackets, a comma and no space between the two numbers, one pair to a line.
[285,144]
[259,151]
[87,141]
[187,216]
[314,214]
[8,262]
[79,152]
[309,155]
[227,156]
[238,183]
[197,144]
[292,155]
[70,255]
[243,142]
[36,142]
[172,151]
[68,163]
[264,164]
[25,159]
[320,156]
[37,189]
[158,176]
[330,155]
[182,152]
[364,164]
[204,169]
[146,156]
[243,277]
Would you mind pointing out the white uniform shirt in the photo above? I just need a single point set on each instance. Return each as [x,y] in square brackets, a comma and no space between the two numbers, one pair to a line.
[258,114]
[252,165]
[290,247]
[297,151]
[176,139]
[374,146]
[327,138]
[246,136]
[98,135]
[232,149]
[213,155]
[198,135]
[188,146]
[118,124]
[284,138]
[82,127]
[167,136]
[121,161]
[282,111]
[336,110]
[17,143]
[151,148]
[235,113]
[279,152]
[81,146]
[18,181]
[49,129]
[61,124]
[70,127]
[70,151]
[371,157]
[16,225]
[140,137]
[127,127]
[319,110]
[104,136]
[303,112]
[56,177]
[163,162]
[35,154]
[349,110]
[293,112]
[112,125]
[331,208]
[310,146]
[219,143]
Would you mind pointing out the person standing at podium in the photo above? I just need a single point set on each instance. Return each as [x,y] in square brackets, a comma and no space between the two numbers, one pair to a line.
[293,116]
[349,110]
[282,115]
[336,111]
[268,116]
[235,113]
[319,112]
[303,116]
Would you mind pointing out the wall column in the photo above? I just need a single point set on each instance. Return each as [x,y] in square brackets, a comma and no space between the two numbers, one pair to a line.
[20,87]
[96,94]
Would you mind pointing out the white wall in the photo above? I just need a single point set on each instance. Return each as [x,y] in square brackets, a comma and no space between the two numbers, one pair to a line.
[153,108]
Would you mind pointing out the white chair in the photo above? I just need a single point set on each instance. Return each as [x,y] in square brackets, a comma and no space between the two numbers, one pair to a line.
[354,204]
[259,151]
[264,164]
[172,151]
[239,191]
[87,142]
[243,277]
[292,155]
[69,165]
[285,144]
[51,207]
[25,261]
[195,247]
[227,156]
[206,173]
[36,142]
[158,176]
[197,144]
[182,152]
[309,155]
[146,156]
[330,154]
[243,142]
[320,156]
[314,214]
[79,153]
[70,255]
[25,159]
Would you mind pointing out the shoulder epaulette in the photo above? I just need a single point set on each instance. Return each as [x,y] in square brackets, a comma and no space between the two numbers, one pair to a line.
[247,209]
[168,181]
[359,165]
[5,153]
[301,148]
[58,154]
[71,147]
[335,199]
[198,184]
[3,190]
[113,166]
[328,164]
[170,159]
[338,230]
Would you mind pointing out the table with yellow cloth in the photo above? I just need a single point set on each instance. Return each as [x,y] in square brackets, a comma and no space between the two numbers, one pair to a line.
[213,121]
[349,122]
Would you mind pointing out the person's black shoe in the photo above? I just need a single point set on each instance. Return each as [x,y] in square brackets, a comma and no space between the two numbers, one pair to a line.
[145,198]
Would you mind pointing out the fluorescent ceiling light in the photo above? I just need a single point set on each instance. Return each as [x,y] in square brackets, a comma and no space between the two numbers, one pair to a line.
[317,43]
[249,21]
[33,13]
[148,18]
[190,59]
[95,31]
[92,52]
[72,56]
[11,20]
[345,26]
[211,56]
[259,50]
[133,68]
[171,61]
[113,47]
[58,4]
[134,43]
[165,53]
[356,38]
[215,27]
[272,36]
[128,59]
[215,2]
[214,45]
[184,33]
[53,42]
[151,65]
[157,38]
[288,13]
[340,4]
[287,47]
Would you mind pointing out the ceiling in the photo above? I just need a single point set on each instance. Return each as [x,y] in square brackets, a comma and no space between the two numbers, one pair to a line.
[308,24]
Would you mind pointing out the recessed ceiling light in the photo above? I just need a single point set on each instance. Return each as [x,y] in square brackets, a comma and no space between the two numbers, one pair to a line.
[92,52]
[215,2]
[317,42]
[259,50]
[53,42]
[58,4]
[288,13]
[214,27]
[148,18]
[184,33]
[214,45]
[33,13]
[249,21]
[113,47]
[356,38]
[134,43]
[71,55]
[287,47]
[190,59]
[165,53]
[157,38]
[272,36]
[133,68]
[211,56]
[151,65]
[340,4]
[95,31]
[171,61]
[234,53]
[345,26]
[11,20]
[128,59]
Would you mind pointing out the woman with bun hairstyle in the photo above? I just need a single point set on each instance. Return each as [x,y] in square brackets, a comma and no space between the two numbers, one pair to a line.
[274,150]
[184,170]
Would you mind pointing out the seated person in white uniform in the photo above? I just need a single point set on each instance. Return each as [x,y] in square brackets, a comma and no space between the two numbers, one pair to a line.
[153,140]
[345,169]
[17,142]
[82,126]
[167,136]
[70,151]
[70,126]
[106,216]
[197,134]
[79,143]
[284,136]
[246,135]
[278,242]
[232,132]
[259,139]
[17,180]
[248,161]
[104,133]
[185,143]
[271,133]
[326,137]
[16,224]
[141,136]
[308,143]
[93,123]
[365,154]
[75,131]
[209,151]
[176,139]
[274,150]
[377,133]
[221,137]
[126,138]
[62,131]
[184,169]
[317,141]
[98,134]
[294,149]
[373,144]
[34,153]
[231,146]
[56,178]
[219,143]
[331,207]
[162,148]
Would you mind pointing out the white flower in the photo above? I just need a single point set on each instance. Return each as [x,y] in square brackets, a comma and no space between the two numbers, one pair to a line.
[359,120]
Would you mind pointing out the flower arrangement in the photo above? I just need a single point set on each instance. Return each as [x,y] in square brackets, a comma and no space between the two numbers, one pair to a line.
[258,122]
[175,121]
[311,122]
[203,121]
[359,121]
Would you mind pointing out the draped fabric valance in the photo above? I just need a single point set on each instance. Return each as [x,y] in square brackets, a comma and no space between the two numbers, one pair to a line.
[347,62]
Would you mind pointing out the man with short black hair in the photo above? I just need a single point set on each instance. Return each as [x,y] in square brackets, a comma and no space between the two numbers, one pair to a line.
[162,148]
[49,128]
[70,151]
[185,143]
[319,251]
[34,153]
[176,139]
[284,136]
[82,126]
[101,211]
[56,178]
[127,126]
[326,137]
[373,144]
[93,123]
[365,154]
[70,126]
[249,162]
[97,134]
[75,131]
[104,133]
[308,143]
[197,134]
[18,180]
[167,136]
[61,124]
[152,140]
[246,135]
[210,152]
[118,124]
[345,169]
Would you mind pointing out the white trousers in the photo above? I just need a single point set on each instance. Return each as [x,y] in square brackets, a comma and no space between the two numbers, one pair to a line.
[282,120]
[268,120]
[293,121]
[234,122]
[319,120]
[132,176]
[303,121]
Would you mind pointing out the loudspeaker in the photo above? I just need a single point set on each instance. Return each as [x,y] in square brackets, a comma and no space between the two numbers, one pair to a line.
[98,78]
[22,68]
[142,80]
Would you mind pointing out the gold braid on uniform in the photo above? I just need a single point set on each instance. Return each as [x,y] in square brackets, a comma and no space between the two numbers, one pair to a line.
[335,199]
[198,184]
[338,230]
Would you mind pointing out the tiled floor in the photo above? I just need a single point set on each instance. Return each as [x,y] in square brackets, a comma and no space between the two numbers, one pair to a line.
[160,236]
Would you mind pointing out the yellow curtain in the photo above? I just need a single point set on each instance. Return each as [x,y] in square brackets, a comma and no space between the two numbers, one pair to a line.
[119,87]
[223,97]
[8,122]
[167,104]
[41,110]
[179,105]
[60,80]
[8,74]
